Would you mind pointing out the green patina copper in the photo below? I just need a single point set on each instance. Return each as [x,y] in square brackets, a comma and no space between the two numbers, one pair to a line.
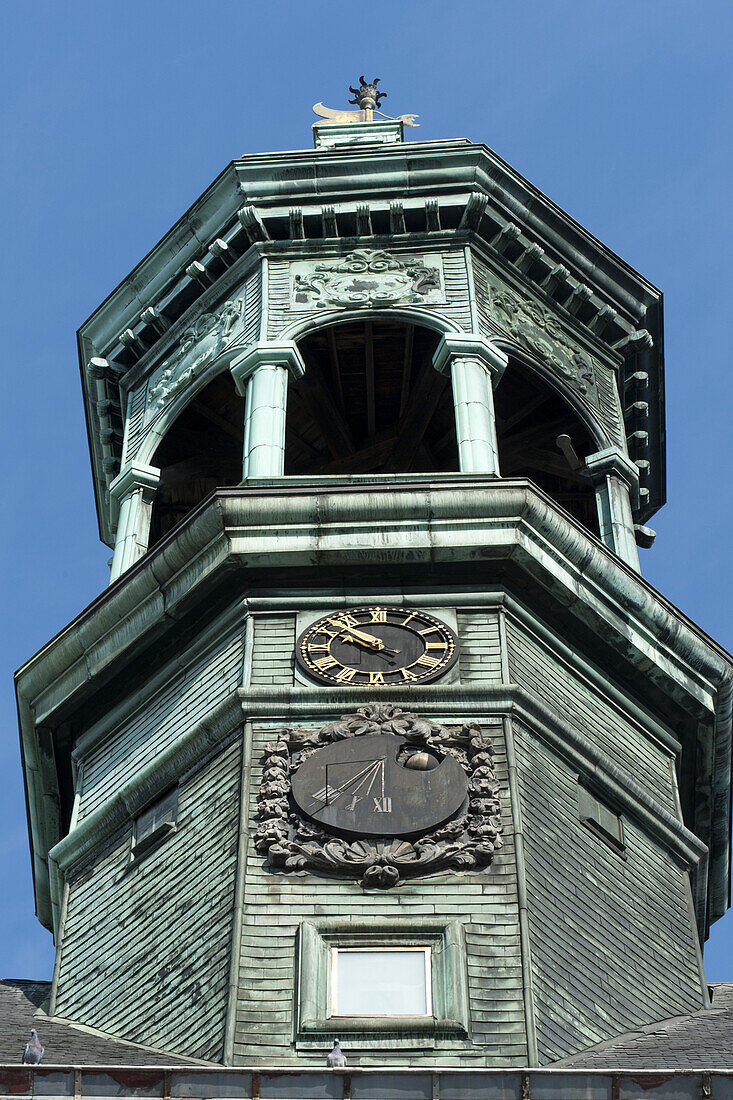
[571,666]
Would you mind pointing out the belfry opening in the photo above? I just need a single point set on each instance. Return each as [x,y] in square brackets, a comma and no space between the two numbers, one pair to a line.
[530,416]
[200,452]
[370,402]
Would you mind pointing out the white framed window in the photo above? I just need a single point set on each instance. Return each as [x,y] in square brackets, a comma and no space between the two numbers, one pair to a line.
[599,817]
[405,980]
[381,981]
[155,823]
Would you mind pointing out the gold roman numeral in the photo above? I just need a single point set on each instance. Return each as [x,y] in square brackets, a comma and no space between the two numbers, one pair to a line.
[428,661]
[376,677]
[343,621]
[407,675]
[379,615]
[346,674]
[325,662]
[429,630]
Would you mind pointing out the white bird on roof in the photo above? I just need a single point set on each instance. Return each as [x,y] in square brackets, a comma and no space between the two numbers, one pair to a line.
[33,1050]
[336,1059]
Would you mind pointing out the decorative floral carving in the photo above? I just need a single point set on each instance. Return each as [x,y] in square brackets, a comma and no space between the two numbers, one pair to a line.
[205,338]
[467,843]
[539,331]
[367,277]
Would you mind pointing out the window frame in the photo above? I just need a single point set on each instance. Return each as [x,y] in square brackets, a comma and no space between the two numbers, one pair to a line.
[149,841]
[449,1008]
[591,808]
[335,951]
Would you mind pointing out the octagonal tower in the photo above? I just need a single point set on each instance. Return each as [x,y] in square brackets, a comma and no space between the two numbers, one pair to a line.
[378,731]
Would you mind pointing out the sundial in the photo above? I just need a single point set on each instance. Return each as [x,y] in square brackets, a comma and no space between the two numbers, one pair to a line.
[367,786]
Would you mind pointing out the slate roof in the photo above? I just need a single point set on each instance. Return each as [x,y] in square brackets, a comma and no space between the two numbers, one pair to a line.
[22,1006]
[701,1040]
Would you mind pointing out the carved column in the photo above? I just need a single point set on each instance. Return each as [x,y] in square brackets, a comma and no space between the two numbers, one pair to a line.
[616,482]
[131,496]
[475,367]
[261,377]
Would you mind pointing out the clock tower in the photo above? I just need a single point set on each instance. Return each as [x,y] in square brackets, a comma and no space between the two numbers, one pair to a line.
[378,730]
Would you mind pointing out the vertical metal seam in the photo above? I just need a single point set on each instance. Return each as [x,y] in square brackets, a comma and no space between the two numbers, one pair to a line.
[239,895]
[78,784]
[524,937]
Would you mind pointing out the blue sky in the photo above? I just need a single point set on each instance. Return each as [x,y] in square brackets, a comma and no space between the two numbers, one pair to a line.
[117,116]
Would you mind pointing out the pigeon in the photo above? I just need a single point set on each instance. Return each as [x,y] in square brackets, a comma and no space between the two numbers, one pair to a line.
[336,1059]
[33,1050]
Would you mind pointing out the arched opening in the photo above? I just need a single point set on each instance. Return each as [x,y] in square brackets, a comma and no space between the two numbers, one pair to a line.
[530,415]
[370,402]
[201,451]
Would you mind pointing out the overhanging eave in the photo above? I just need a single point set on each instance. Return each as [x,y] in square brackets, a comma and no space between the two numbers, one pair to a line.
[428,521]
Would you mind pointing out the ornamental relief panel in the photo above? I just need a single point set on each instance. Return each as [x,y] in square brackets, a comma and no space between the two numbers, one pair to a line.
[205,339]
[367,278]
[403,796]
[537,329]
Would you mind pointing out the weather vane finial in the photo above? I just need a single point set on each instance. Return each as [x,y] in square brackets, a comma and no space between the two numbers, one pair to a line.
[367,98]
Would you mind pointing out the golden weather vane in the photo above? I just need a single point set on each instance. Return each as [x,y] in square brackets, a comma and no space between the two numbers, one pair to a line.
[368,99]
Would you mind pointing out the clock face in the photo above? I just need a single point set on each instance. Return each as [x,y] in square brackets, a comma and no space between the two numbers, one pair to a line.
[372,786]
[377,646]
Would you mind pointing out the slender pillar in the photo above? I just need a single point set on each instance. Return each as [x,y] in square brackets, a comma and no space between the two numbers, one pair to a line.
[616,482]
[131,495]
[475,368]
[261,377]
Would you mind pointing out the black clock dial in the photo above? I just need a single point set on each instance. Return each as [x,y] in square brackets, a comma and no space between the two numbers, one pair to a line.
[377,646]
[369,786]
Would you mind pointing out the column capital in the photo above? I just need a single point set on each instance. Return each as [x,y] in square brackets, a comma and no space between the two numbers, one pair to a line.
[612,460]
[469,345]
[263,354]
[132,476]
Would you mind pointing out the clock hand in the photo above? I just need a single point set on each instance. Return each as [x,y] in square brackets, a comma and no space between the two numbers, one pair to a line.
[358,636]
[354,635]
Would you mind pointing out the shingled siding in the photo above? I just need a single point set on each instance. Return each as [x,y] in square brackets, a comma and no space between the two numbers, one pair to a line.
[147,948]
[480,652]
[163,714]
[276,904]
[597,970]
[272,657]
[584,706]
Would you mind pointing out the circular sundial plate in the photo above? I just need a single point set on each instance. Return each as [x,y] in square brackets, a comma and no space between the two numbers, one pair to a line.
[357,786]
[377,646]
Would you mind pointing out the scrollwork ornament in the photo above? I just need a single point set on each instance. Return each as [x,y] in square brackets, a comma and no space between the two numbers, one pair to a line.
[205,338]
[367,278]
[292,843]
[540,333]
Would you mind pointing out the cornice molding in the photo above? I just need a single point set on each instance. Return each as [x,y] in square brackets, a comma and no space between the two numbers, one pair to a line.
[447,519]
[475,702]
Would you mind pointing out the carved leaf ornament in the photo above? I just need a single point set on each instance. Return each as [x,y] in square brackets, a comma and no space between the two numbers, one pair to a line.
[366,277]
[208,335]
[293,843]
[540,333]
